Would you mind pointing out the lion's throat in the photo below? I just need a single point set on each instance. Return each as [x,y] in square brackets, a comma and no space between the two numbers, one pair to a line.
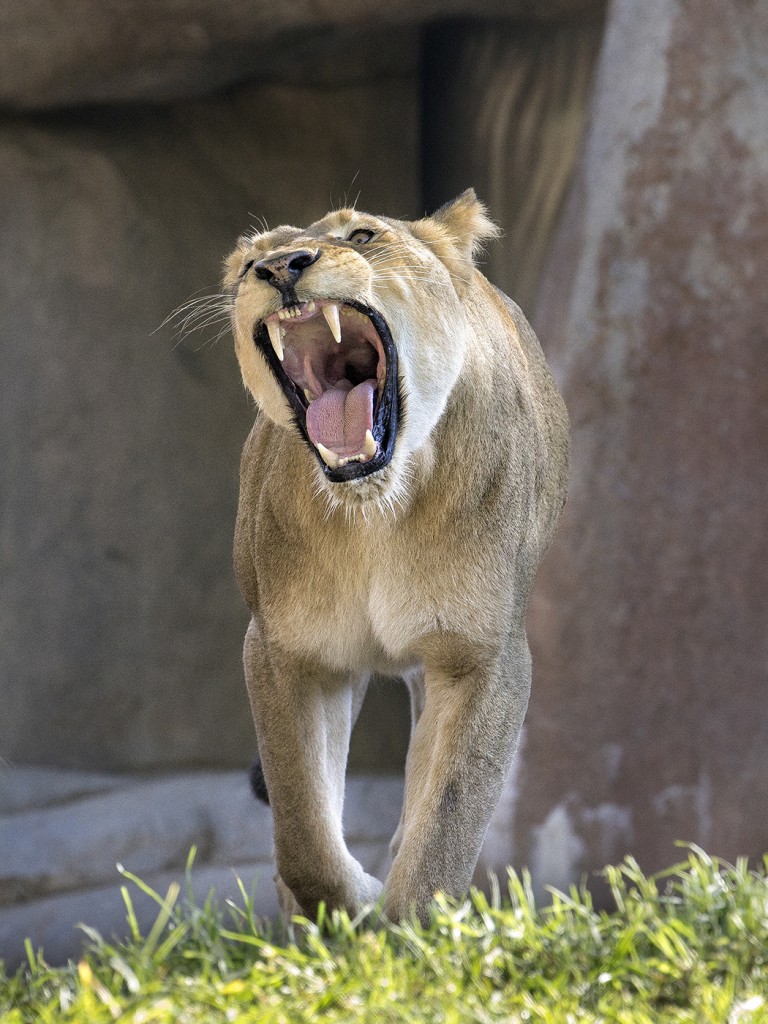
[341,416]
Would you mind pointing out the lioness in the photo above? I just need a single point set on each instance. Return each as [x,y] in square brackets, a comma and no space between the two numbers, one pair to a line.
[398,490]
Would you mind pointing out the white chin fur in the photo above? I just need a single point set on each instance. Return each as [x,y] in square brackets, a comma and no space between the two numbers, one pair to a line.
[386,491]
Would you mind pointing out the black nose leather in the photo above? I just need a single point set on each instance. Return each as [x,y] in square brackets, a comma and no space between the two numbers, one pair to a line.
[283,271]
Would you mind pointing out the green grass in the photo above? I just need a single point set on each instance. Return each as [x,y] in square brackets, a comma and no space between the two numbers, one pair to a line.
[688,945]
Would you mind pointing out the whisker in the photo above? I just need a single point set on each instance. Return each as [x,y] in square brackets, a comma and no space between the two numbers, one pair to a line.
[217,299]
[198,313]
[194,311]
[204,310]
[185,328]
[261,221]
[392,275]
[212,342]
[395,258]
[404,267]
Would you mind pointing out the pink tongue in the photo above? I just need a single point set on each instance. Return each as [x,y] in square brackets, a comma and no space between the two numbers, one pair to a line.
[340,417]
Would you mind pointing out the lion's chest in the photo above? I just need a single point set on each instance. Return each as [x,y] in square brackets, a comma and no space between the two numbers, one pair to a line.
[350,604]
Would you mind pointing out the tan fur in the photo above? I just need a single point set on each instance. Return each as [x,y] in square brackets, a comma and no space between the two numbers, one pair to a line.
[423,569]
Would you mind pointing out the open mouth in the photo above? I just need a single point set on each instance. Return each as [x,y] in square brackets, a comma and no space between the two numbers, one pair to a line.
[337,365]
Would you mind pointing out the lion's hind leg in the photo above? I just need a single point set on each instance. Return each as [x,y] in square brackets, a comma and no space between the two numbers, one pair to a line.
[414,680]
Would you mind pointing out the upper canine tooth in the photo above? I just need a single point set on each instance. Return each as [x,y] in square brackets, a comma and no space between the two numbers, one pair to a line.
[330,458]
[276,337]
[369,445]
[331,314]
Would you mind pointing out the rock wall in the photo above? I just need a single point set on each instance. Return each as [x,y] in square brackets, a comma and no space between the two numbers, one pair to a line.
[86,51]
[504,108]
[648,721]
[62,835]
[120,621]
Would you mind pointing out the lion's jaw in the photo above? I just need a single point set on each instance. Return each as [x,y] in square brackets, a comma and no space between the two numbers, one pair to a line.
[364,357]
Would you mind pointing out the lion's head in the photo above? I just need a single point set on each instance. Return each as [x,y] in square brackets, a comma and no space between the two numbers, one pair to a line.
[353,330]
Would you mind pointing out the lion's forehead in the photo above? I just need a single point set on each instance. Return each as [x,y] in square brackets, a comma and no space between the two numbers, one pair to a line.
[332,224]
[341,222]
[336,224]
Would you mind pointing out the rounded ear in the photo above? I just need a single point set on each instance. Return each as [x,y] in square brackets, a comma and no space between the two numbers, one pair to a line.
[467,220]
[456,233]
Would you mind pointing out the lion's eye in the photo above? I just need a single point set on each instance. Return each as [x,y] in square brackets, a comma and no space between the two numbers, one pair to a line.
[246,267]
[360,236]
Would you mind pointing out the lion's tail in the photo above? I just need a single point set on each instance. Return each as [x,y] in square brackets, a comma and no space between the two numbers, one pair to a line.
[257,781]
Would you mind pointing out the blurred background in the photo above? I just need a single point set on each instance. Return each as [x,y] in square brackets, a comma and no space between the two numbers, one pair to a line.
[624,151]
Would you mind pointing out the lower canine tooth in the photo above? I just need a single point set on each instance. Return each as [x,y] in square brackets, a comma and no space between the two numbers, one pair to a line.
[331,314]
[369,445]
[276,337]
[331,459]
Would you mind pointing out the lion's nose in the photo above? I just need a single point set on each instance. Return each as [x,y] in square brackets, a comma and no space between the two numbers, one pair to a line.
[283,271]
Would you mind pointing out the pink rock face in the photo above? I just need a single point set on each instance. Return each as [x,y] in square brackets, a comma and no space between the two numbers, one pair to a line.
[649,718]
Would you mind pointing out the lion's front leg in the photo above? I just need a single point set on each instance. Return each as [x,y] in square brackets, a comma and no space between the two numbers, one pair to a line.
[460,752]
[304,716]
